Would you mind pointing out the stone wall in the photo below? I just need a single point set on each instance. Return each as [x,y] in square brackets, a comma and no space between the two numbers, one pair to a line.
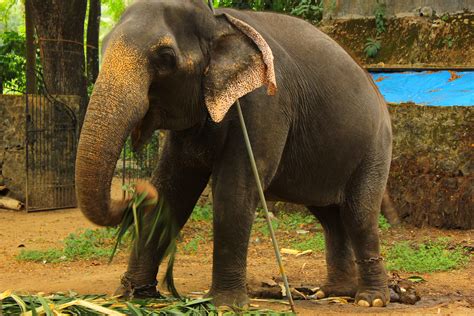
[365,8]
[431,179]
[12,140]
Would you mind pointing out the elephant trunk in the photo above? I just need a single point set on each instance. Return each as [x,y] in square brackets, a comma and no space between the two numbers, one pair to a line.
[118,103]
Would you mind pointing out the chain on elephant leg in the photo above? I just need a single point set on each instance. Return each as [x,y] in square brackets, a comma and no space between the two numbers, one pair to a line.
[373,287]
[129,289]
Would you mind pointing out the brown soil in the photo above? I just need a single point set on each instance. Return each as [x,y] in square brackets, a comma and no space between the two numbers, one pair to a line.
[444,292]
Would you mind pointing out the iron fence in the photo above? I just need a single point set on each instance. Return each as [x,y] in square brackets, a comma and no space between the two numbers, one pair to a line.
[50,149]
[133,166]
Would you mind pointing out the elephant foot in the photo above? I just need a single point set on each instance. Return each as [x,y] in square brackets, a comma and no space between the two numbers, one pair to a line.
[376,297]
[348,288]
[235,298]
[127,290]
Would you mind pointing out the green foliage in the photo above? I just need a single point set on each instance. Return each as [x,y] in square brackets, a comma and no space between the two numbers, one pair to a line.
[429,256]
[193,245]
[82,245]
[309,9]
[448,41]
[115,8]
[383,223]
[379,13]
[111,12]
[11,16]
[73,304]
[12,61]
[372,47]
[202,213]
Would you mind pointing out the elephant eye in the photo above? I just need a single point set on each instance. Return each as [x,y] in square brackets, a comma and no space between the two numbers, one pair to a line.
[165,60]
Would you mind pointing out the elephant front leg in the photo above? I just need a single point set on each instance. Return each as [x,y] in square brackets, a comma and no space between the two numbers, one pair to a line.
[180,184]
[234,212]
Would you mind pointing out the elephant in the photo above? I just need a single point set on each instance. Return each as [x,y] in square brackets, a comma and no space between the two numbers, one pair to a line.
[319,128]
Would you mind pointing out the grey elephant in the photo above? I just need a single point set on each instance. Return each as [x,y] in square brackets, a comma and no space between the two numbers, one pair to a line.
[320,131]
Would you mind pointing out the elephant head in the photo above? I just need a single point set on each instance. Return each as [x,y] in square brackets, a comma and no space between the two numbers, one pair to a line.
[166,65]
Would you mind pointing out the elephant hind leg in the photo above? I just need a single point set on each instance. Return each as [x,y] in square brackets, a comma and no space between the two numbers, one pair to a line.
[359,214]
[341,270]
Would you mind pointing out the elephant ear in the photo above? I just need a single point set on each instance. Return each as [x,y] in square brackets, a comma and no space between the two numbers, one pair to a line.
[241,61]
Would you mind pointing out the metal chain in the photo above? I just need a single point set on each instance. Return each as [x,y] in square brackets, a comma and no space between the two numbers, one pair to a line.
[370,260]
[129,286]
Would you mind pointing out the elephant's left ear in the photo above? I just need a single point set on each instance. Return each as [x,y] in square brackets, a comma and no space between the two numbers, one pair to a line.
[241,61]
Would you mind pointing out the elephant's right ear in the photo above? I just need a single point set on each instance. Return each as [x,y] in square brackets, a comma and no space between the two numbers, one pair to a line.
[241,61]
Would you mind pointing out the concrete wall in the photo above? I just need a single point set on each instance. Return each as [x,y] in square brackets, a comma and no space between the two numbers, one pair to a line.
[365,8]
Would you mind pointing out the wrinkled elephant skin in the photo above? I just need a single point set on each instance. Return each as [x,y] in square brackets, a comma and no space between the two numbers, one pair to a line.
[319,128]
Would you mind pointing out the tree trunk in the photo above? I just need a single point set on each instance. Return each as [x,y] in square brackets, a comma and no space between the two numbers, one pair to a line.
[60,29]
[93,27]
[30,50]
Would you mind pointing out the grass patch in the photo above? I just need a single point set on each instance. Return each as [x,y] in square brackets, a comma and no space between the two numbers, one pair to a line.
[296,220]
[82,245]
[313,242]
[261,226]
[383,223]
[429,256]
[192,246]
[202,213]
[284,222]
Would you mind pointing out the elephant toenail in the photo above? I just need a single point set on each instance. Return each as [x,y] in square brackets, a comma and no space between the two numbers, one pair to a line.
[377,303]
[363,303]
[320,294]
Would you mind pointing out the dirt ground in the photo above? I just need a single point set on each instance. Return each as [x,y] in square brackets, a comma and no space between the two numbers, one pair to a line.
[447,293]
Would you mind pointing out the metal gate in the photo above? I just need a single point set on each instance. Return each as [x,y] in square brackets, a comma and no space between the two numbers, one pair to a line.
[51,142]
[133,166]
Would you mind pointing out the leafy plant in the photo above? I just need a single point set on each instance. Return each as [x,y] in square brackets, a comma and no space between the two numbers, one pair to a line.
[379,13]
[12,61]
[202,213]
[73,304]
[448,41]
[193,245]
[383,223]
[429,256]
[372,47]
[309,9]
[162,223]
